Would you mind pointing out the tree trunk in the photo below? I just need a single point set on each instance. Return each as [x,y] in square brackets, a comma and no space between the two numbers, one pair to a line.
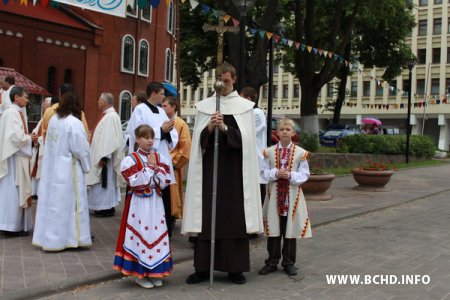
[344,72]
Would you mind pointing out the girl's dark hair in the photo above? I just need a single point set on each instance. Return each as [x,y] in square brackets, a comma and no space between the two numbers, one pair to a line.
[69,104]
[144,131]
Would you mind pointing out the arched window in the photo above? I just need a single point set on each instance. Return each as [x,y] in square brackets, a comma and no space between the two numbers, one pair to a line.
[68,74]
[51,80]
[143,57]
[125,106]
[168,66]
[127,60]
[170,17]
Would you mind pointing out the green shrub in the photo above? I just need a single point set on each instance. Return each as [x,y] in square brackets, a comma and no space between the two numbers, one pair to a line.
[309,141]
[420,146]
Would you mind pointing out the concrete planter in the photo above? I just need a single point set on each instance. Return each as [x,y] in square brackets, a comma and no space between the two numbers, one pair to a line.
[316,186]
[372,180]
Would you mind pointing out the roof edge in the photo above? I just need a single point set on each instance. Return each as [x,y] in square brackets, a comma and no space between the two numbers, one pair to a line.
[80,17]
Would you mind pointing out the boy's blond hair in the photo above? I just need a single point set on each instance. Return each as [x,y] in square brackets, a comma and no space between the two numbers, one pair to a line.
[286,121]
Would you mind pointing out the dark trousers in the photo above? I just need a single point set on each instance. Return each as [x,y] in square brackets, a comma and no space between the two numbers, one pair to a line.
[262,188]
[274,247]
[167,209]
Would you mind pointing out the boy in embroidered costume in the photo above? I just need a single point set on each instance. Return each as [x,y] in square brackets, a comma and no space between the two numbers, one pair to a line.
[143,247]
[284,212]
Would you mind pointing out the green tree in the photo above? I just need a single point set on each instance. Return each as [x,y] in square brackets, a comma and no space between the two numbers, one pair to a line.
[373,33]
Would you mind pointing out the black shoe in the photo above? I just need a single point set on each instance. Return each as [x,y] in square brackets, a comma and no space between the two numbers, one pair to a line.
[105,213]
[16,233]
[197,277]
[237,278]
[268,269]
[290,270]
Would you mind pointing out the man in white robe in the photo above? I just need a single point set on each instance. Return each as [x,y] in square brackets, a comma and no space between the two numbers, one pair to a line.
[62,216]
[250,93]
[6,84]
[15,153]
[106,155]
[38,151]
[166,136]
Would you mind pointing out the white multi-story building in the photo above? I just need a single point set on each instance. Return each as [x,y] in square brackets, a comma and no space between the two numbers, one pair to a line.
[369,95]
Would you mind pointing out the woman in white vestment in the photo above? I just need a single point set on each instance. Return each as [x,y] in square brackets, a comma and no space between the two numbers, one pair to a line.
[62,216]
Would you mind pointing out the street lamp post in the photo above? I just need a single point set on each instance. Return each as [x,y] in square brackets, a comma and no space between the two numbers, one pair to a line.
[279,30]
[243,5]
[411,64]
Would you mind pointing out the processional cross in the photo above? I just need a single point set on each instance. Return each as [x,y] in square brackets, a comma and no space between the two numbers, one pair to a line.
[220,29]
[218,86]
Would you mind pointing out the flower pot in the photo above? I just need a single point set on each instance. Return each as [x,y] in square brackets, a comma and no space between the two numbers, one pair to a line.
[316,186]
[372,180]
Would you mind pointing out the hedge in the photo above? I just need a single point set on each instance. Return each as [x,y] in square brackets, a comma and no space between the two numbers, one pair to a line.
[420,146]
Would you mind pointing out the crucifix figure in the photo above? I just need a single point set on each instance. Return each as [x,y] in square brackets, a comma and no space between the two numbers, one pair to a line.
[220,29]
[218,87]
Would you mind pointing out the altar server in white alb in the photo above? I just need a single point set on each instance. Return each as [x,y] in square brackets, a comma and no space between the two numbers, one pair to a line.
[15,153]
[62,216]
[166,136]
[105,178]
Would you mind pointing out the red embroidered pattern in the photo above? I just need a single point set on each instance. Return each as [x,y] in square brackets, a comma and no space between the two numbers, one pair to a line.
[296,201]
[149,246]
[305,227]
[283,184]
[129,172]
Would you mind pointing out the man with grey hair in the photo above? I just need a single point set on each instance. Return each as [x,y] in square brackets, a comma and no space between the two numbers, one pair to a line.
[104,178]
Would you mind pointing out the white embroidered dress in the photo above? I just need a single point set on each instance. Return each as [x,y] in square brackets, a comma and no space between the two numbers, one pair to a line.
[146,235]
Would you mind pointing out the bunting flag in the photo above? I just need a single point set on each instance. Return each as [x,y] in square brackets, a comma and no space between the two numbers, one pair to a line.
[235,22]
[193,3]
[142,3]
[269,35]
[24,2]
[226,18]
[205,8]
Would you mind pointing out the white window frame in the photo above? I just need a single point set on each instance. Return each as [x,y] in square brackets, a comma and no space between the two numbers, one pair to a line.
[135,15]
[120,102]
[122,69]
[168,58]
[149,20]
[139,57]
[170,19]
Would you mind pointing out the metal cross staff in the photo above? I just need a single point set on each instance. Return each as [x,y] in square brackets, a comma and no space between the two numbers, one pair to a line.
[218,86]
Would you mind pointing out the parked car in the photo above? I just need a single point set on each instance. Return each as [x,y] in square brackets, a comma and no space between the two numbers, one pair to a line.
[331,137]
[276,138]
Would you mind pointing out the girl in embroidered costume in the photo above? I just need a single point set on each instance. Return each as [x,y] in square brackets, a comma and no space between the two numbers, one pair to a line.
[143,247]
[284,213]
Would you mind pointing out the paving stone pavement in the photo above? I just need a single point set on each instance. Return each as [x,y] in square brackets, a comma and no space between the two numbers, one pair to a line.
[27,271]
[409,239]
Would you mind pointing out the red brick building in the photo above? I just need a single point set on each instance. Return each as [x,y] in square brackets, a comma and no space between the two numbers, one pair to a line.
[93,51]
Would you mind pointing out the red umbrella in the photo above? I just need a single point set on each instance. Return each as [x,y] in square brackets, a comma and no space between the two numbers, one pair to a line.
[371,121]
